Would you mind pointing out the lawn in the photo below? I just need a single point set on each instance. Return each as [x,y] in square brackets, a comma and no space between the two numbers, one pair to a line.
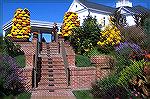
[21,61]
[82,61]
[24,95]
[82,94]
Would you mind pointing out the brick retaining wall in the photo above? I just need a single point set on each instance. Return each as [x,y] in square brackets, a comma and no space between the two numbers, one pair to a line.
[82,77]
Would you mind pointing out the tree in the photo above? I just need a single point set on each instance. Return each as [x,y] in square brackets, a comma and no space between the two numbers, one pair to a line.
[1,44]
[118,19]
[85,37]
[146,25]
[70,21]
[110,37]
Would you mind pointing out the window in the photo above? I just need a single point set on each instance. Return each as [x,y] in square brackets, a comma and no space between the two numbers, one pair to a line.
[76,6]
[104,21]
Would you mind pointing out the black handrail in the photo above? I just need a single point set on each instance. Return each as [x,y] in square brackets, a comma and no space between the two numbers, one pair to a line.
[64,55]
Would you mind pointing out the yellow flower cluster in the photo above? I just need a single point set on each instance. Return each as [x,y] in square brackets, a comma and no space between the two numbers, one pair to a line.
[70,21]
[21,24]
[110,36]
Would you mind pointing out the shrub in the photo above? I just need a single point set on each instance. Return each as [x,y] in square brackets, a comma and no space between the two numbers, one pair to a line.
[82,61]
[110,36]
[11,49]
[107,88]
[86,36]
[10,80]
[93,52]
[129,72]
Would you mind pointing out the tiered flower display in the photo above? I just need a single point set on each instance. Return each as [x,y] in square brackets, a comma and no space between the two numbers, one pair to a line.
[110,36]
[21,24]
[70,21]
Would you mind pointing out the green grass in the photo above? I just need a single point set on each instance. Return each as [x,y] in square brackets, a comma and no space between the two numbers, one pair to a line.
[82,94]
[82,61]
[21,61]
[25,95]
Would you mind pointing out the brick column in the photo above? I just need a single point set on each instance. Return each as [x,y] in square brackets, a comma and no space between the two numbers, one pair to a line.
[70,55]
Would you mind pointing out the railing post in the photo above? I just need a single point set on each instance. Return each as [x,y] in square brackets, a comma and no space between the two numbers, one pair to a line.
[35,62]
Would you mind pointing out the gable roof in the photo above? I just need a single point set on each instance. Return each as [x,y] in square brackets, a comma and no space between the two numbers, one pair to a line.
[138,9]
[91,5]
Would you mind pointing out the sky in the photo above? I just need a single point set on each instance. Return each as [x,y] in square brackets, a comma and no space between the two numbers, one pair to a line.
[49,10]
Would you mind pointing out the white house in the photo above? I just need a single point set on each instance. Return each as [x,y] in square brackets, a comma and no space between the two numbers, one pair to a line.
[102,12]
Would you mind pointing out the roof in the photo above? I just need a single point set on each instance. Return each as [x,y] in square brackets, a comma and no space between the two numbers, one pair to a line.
[43,26]
[96,6]
[138,9]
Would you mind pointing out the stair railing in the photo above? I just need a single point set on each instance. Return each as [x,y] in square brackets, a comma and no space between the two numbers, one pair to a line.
[66,64]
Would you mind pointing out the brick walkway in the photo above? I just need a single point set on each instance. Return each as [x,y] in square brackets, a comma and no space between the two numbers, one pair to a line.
[57,94]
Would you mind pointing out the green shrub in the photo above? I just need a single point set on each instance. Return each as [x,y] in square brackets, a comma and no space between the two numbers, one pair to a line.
[82,61]
[129,72]
[107,88]
[94,52]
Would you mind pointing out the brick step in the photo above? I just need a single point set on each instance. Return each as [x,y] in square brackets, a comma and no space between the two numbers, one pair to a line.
[56,44]
[54,63]
[43,53]
[52,44]
[57,94]
[43,87]
[54,67]
[55,71]
[53,77]
[52,48]
[53,84]
[52,73]
[44,83]
[54,56]
[47,67]
[56,60]
[56,81]
[52,51]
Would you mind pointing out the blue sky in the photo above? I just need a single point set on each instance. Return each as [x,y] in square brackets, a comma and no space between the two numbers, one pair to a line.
[50,10]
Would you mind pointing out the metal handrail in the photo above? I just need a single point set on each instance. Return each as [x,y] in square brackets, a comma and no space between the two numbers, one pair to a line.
[66,64]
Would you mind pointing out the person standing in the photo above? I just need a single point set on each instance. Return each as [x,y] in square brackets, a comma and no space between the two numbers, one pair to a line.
[54,32]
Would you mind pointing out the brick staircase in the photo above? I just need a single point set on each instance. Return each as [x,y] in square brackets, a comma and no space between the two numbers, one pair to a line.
[53,81]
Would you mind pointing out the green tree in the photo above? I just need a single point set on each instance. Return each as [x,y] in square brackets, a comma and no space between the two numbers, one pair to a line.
[85,37]
[147,26]
[1,44]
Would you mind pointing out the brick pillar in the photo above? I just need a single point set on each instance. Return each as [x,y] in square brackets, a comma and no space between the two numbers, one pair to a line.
[71,60]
